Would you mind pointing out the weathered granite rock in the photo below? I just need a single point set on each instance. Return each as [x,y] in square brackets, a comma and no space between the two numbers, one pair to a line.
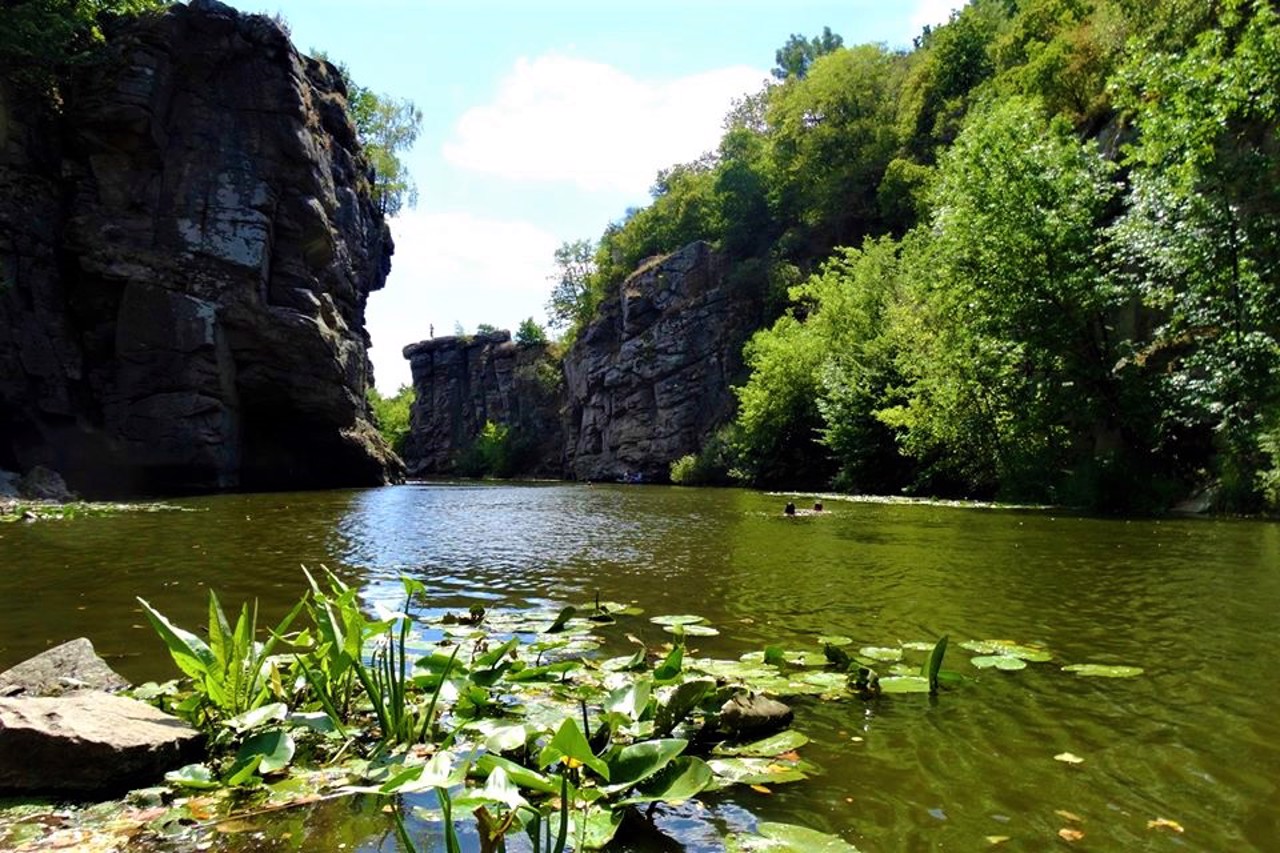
[73,665]
[185,258]
[41,484]
[750,716]
[649,379]
[460,383]
[89,743]
[646,382]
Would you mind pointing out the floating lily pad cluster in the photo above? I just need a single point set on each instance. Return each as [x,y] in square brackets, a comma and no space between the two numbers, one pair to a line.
[519,718]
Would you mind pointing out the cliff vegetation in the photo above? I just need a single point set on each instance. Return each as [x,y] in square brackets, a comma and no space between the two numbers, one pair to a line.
[1035,257]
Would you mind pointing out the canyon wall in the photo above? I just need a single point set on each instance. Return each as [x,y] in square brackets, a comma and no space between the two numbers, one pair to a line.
[462,383]
[186,250]
[646,382]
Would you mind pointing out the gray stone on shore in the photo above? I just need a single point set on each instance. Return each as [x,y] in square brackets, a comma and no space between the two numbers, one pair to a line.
[73,665]
[752,715]
[89,743]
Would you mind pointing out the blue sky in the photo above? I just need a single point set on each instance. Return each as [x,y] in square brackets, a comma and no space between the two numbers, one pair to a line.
[543,122]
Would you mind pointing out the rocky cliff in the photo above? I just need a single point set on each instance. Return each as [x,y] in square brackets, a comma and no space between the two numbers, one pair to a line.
[461,383]
[185,255]
[646,382]
[649,379]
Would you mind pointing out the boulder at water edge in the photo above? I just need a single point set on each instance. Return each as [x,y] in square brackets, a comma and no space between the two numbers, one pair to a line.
[89,743]
[74,665]
[61,733]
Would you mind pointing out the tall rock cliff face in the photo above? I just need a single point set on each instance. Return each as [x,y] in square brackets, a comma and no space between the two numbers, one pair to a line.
[461,383]
[645,383]
[649,379]
[185,256]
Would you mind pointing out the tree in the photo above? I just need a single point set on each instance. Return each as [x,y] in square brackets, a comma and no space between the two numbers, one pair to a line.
[573,298]
[794,58]
[486,329]
[385,126]
[1002,334]
[530,333]
[42,40]
[1200,238]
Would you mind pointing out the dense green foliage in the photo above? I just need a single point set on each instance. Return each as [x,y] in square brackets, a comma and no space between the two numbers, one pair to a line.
[391,415]
[1036,257]
[42,40]
[385,126]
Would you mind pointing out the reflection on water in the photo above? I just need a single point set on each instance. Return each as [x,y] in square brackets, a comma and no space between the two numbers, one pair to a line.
[1196,603]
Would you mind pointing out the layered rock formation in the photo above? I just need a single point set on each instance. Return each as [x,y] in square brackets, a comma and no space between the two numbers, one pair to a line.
[185,256]
[461,383]
[644,384]
[649,379]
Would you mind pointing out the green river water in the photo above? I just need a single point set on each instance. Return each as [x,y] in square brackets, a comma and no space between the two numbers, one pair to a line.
[1196,603]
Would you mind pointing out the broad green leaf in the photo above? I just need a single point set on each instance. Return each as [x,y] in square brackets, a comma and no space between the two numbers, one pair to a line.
[508,738]
[570,745]
[562,620]
[517,773]
[1004,662]
[677,620]
[188,651]
[835,640]
[243,770]
[934,665]
[789,838]
[548,672]
[274,712]
[597,828]
[681,702]
[192,776]
[641,760]
[1099,670]
[787,741]
[498,788]
[692,630]
[880,653]
[670,666]
[630,700]
[682,779]
[757,771]
[276,748]
[904,684]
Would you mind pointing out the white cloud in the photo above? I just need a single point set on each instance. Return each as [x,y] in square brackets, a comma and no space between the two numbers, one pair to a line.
[455,267]
[932,13]
[556,118]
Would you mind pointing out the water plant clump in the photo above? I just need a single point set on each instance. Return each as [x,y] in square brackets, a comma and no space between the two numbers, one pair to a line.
[510,723]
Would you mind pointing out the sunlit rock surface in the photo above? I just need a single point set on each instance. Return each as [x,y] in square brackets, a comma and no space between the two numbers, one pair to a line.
[185,257]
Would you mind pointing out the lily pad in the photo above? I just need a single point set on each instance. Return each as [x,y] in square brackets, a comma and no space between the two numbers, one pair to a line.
[1098,670]
[782,742]
[1008,648]
[835,640]
[787,838]
[1004,662]
[682,779]
[686,619]
[904,684]
[918,646]
[880,653]
[757,771]
[692,630]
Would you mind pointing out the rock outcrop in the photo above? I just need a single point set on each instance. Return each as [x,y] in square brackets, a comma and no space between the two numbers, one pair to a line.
[649,379]
[60,733]
[461,383]
[185,257]
[646,382]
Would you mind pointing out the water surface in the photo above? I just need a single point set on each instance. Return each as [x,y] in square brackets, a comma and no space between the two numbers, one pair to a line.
[1196,603]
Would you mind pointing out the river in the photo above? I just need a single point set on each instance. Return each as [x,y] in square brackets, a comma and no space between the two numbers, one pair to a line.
[1195,740]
